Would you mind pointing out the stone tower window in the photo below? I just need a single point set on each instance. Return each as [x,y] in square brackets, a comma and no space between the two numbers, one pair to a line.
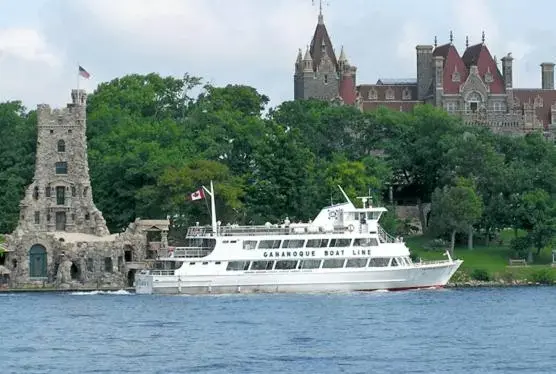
[36,193]
[325,78]
[47,191]
[85,191]
[61,167]
[60,195]
[37,217]
[52,131]
[61,146]
[87,216]
[69,131]
[73,191]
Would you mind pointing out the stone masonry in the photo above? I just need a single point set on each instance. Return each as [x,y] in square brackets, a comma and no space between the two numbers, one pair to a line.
[61,239]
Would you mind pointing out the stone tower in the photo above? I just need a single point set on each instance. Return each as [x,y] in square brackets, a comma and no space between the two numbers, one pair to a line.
[318,74]
[60,197]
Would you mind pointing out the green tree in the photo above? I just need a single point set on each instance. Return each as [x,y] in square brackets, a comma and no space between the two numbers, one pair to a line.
[456,208]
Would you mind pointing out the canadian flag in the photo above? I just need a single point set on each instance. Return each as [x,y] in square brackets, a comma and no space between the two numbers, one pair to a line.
[197,195]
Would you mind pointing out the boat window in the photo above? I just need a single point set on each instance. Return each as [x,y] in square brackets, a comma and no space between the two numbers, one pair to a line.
[394,262]
[379,262]
[269,244]
[237,265]
[200,243]
[317,243]
[191,263]
[356,263]
[373,215]
[217,263]
[309,264]
[286,265]
[333,263]
[293,243]
[365,242]
[249,244]
[262,265]
[205,263]
[340,242]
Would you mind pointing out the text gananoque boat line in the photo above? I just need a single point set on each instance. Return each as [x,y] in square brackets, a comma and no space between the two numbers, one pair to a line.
[343,249]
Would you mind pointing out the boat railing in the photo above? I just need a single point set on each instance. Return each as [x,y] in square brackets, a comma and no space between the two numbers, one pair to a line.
[385,237]
[430,262]
[185,252]
[261,230]
[162,272]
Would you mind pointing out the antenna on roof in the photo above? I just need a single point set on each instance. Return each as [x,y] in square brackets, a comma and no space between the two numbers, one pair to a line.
[345,195]
[467,42]
[483,37]
[435,41]
[451,37]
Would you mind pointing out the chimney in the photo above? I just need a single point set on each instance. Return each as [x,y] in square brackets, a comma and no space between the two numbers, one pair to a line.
[507,70]
[424,70]
[547,75]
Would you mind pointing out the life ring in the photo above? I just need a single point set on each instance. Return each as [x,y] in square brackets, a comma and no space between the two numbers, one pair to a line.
[351,228]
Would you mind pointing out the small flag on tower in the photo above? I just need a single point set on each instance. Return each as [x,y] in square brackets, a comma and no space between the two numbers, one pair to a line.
[84,73]
[197,195]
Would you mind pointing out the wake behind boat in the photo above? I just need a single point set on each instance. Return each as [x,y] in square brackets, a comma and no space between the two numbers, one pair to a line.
[343,249]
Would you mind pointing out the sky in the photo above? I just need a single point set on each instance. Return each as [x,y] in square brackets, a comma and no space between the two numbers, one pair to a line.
[252,42]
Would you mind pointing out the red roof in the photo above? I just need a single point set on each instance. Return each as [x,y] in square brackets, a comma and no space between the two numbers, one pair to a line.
[480,56]
[452,61]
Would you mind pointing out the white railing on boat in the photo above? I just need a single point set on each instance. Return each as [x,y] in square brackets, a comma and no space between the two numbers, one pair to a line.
[385,237]
[430,262]
[204,231]
[162,272]
[185,252]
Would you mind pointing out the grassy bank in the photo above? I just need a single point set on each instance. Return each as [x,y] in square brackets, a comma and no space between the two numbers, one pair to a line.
[490,263]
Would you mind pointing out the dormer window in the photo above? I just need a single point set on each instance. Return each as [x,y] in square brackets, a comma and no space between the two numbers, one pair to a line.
[406,94]
[456,76]
[488,77]
[373,94]
[538,102]
[389,94]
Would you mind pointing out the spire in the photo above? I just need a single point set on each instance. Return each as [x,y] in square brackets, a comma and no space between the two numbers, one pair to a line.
[321,18]
[343,57]
[435,42]
[467,42]
[483,37]
[451,37]
[307,61]
[299,56]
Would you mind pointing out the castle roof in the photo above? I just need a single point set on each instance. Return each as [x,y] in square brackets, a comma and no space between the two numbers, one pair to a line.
[320,39]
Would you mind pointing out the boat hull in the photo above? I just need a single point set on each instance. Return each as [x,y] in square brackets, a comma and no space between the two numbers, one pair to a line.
[301,281]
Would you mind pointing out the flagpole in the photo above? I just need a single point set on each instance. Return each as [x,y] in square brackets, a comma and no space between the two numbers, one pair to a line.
[78,76]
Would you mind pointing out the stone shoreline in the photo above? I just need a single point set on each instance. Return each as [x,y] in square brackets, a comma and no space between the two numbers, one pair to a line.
[492,284]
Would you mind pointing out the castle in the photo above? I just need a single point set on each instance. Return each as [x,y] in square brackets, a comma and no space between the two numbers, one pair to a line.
[61,239]
[470,85]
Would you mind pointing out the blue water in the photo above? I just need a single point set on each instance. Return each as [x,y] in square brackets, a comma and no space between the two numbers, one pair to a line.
[500,330]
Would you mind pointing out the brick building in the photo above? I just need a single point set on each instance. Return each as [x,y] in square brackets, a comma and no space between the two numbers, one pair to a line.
[474,85]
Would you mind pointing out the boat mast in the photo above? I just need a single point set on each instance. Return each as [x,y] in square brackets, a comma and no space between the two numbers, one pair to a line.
[212,208]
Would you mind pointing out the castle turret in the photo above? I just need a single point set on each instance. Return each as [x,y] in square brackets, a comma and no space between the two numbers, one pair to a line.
[60,197]
[321,77]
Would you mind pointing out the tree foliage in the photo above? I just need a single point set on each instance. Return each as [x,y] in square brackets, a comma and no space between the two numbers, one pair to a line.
[152,140]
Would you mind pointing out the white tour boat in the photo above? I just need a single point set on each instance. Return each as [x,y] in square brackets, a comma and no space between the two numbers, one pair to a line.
[343,249]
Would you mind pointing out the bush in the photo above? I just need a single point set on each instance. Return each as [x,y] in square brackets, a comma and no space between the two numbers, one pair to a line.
[480,275]
[542,276]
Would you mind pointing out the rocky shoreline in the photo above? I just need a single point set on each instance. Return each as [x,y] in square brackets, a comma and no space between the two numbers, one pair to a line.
[500,283]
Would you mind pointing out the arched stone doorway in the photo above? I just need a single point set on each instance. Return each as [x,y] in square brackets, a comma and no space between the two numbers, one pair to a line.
[37,262]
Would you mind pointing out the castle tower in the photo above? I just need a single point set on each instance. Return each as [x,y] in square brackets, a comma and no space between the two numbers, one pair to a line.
[60,196]
[323,80]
